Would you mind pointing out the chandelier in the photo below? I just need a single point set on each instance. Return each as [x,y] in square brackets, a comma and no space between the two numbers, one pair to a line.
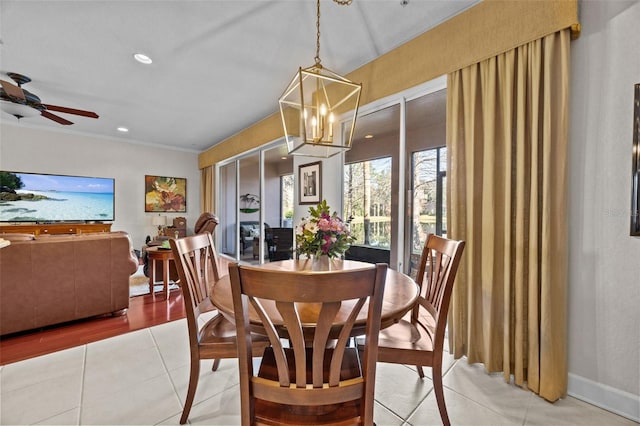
[310,104]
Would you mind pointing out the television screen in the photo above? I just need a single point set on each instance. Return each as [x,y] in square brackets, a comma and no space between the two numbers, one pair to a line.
[36,197]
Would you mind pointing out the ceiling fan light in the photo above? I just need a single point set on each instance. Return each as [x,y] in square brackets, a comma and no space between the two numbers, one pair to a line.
[142,58]
[18,110]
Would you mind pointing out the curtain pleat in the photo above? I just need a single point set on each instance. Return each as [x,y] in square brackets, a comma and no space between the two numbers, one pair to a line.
[207,186]
[507,141]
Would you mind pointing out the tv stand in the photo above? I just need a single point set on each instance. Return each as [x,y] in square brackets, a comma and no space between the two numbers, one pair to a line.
[54,228]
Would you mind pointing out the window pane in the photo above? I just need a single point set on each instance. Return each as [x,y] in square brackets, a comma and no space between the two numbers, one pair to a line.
[227,209]
[250,205]
[428,196]
[425,168]
[367,201]
[286,191]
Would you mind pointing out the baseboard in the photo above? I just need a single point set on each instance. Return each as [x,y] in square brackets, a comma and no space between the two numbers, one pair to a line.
[611,399]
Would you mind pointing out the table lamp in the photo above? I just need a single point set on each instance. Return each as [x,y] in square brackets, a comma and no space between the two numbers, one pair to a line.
[159,221]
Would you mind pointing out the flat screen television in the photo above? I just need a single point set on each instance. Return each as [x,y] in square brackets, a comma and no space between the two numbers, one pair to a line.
[45,198]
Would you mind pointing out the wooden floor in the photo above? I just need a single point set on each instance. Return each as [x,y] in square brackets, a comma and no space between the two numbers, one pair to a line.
[144,311]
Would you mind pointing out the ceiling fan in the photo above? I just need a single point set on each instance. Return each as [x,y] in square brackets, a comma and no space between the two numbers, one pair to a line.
[22,103]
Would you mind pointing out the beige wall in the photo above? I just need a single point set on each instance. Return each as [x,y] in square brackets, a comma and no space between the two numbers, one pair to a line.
[604,261]
[32,149]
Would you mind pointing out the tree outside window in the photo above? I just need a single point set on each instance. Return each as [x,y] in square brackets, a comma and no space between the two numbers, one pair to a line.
[367,201]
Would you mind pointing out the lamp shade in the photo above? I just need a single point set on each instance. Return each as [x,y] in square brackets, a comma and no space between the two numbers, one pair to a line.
[159,220]
[309,108]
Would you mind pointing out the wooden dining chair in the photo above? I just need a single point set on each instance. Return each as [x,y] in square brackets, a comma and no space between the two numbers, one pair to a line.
[308,375]
[418,339]
[198,268]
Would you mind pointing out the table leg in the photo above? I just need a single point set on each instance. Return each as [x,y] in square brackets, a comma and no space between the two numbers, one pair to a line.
[165,276]
[152,279]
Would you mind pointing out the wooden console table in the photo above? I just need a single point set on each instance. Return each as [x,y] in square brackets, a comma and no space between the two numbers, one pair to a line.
[55,228]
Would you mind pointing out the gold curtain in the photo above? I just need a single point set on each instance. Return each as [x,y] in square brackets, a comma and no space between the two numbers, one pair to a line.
[507,120]
[207,187]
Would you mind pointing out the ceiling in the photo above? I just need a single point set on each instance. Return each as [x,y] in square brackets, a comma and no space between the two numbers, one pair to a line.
[218,65]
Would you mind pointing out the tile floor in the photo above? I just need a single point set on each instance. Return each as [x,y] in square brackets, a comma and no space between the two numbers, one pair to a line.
[140,378]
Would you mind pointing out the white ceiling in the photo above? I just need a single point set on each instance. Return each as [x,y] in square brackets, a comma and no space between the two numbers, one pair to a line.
[219,65]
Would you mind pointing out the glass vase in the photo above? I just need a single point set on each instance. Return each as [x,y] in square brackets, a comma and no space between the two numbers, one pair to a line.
[321,263]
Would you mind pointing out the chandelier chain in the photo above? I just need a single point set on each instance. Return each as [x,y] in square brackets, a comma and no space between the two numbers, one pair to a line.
[317,58]
[341,3]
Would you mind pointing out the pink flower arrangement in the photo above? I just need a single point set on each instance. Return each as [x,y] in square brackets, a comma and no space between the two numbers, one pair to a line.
[323,233]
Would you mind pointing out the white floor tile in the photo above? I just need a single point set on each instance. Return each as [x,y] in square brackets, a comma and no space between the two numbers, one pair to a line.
[488,390]
[570,411]
[210,382]
[383,417]
[114,365]
[462,411]
[143,403]
[39,401]
[172,340]
[68,363]
[220,409]
[68,418]
[400,389]
[140,378]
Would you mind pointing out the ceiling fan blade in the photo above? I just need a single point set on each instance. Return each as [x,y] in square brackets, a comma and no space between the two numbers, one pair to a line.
[55,118]
[81,112]
[12,90]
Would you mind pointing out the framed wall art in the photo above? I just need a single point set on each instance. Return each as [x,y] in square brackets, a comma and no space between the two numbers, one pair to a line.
[310,183]
[165,194]
[635,164]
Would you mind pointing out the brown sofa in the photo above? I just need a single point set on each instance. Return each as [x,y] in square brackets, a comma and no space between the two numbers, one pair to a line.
[51,279]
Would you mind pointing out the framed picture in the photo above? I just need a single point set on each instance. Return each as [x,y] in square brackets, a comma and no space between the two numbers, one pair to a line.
[165,194]
[635,163]
[310,183]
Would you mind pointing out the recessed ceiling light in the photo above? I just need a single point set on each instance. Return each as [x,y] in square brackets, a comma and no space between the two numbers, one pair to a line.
[142,58]
[123,129]
[368,136]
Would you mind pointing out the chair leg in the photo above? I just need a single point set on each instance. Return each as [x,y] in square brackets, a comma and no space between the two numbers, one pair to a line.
[191,391]
[420,371]
[436,372]
[216,364]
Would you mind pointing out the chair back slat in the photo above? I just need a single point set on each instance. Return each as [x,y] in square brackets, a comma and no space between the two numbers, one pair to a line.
[316,313]
[326,318]
[436,275]
[296,339]
[198,268]
[343,340]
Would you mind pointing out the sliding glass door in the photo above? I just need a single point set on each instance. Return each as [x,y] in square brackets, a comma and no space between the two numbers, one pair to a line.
[370,177]
[426,177]
[251,201]
[395,178]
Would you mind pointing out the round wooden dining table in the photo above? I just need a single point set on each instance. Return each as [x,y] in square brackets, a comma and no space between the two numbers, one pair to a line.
[400,293]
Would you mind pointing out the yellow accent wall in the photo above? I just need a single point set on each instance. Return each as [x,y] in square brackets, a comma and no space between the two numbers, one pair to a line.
[483,31]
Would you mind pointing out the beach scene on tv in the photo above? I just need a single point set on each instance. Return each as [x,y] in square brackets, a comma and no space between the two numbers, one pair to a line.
[31,197]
